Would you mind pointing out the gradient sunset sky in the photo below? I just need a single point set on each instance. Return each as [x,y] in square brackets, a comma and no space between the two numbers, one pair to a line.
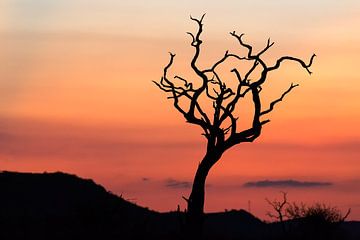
[76,95]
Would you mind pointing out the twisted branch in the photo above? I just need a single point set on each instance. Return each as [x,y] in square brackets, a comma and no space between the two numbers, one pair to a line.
[273,103]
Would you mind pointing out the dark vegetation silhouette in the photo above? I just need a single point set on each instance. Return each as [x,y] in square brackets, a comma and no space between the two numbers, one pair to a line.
[60,206]
[302,221]
[220,123]
[280,210]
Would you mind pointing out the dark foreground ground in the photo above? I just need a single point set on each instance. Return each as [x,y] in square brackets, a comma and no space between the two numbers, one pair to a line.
[58,206]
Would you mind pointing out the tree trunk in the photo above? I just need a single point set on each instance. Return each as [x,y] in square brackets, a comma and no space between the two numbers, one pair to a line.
[195,211]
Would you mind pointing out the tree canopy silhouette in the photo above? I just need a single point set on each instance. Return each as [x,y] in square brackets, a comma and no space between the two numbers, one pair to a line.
[220,123]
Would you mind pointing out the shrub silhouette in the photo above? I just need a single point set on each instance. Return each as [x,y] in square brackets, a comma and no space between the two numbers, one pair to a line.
[317,221]
[318,212]
[301,221]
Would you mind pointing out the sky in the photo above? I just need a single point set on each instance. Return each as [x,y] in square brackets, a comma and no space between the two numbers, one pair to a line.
[76,95]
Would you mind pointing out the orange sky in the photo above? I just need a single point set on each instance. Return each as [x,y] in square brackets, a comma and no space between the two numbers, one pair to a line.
[76,96]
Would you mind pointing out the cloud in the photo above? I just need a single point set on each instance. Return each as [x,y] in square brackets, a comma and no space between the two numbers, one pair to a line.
[172,183]
[285,183]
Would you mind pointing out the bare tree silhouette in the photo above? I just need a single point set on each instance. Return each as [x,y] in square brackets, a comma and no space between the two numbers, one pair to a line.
[220,123]
[280,208]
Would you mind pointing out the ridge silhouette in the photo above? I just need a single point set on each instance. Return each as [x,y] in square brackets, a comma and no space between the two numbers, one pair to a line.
[64,206]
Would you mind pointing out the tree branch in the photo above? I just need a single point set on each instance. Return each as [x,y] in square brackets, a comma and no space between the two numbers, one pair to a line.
[273,103]
[268,45]
[196,43]
[302,63]
[168,86]
[223,59]
[239,38]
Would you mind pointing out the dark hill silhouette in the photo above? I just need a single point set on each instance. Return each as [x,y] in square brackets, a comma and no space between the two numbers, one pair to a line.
[62,206]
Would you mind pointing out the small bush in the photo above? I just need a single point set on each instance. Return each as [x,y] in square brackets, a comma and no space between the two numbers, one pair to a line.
[318,212]
[307,222]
